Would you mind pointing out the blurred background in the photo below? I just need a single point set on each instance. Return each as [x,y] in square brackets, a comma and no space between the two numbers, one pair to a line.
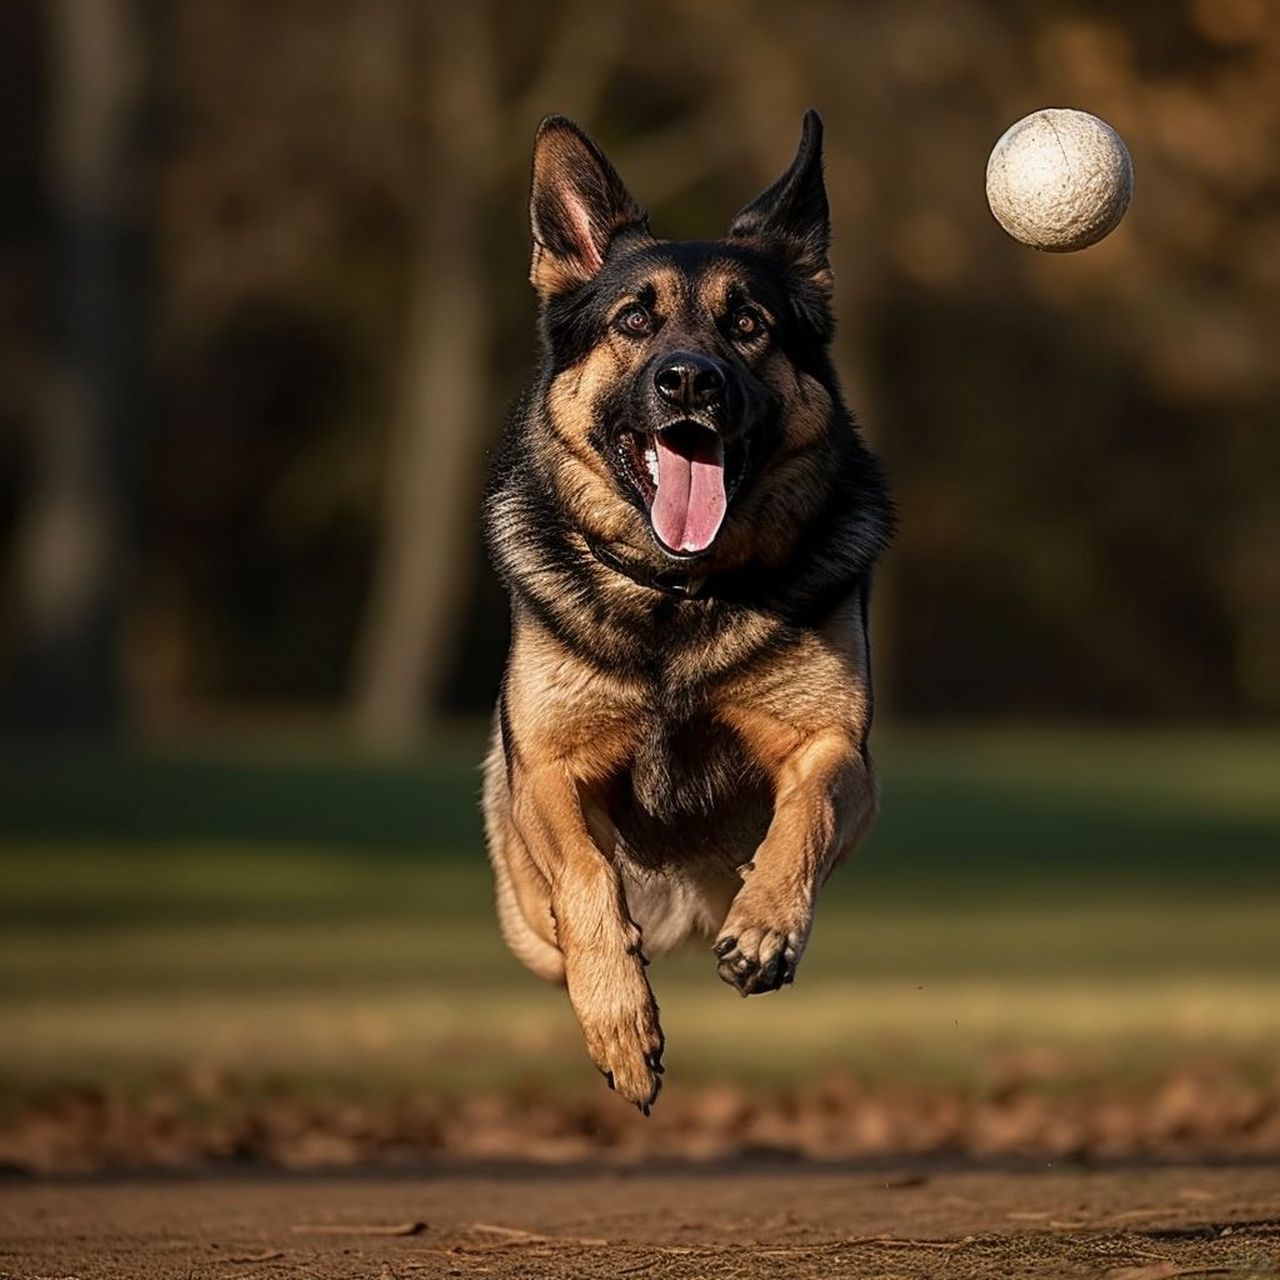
[263,305]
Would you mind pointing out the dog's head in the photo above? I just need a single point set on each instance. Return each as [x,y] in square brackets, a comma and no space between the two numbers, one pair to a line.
[679,374]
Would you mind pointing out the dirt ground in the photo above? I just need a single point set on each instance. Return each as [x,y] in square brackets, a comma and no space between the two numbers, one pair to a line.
[742,1219]
[1036,1109]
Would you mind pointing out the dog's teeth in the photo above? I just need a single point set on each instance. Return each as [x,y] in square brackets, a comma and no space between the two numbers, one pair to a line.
[651,461]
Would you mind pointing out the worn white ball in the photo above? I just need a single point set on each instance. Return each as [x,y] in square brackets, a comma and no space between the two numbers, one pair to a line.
[1059,180]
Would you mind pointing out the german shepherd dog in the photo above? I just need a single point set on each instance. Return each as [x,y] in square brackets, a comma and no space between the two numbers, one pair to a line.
[686,519]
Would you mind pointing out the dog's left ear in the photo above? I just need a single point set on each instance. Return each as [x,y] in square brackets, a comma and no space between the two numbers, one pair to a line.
[792,216]
[577,206]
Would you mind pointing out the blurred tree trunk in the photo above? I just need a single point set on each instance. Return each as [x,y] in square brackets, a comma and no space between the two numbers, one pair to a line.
[70,542]
[434,455]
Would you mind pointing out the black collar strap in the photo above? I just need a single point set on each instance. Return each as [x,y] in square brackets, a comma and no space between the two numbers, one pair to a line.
[672,583]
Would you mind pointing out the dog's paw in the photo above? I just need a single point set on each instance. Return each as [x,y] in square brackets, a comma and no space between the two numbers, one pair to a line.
[759,947]
[758,960]
[619,1020]
[627,1051]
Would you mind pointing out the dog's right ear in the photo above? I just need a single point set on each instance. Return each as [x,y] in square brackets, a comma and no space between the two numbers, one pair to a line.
[577,206]
[792,215]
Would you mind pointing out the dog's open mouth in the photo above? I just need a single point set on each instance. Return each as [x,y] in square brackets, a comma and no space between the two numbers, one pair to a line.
[680,472]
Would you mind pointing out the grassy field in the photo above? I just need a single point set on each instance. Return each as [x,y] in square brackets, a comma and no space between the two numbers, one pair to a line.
[1113,898]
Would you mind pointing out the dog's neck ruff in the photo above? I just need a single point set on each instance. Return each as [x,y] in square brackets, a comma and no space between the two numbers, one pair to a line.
[670,583]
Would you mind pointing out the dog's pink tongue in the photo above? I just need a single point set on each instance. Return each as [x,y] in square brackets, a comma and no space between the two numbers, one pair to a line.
[689,506]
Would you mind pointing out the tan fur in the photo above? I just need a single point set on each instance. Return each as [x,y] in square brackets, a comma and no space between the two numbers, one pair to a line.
[568,901]
[551,837]
[805,720]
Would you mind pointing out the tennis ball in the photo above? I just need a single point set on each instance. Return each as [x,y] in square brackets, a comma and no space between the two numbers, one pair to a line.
[1059,180]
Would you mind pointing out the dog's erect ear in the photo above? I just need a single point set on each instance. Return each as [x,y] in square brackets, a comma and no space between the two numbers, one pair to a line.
[792,215]
[577,206]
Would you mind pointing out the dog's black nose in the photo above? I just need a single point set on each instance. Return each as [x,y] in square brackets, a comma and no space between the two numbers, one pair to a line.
[689,381]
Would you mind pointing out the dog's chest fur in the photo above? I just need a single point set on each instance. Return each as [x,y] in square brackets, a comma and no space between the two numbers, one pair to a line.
[686,768]
[692,808]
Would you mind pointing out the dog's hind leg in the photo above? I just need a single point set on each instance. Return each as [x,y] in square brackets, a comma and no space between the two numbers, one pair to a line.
[522,895]
[534,951]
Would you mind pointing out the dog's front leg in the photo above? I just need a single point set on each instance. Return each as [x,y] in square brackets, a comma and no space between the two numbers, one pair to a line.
[570,837]
[824,800]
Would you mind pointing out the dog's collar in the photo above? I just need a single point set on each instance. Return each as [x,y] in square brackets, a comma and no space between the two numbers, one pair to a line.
[681,585]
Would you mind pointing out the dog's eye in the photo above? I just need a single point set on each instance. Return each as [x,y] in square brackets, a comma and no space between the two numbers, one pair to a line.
[635,321]
[747,322]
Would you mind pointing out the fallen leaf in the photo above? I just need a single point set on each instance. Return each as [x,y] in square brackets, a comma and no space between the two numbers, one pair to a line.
[517,1233]
[358,1229]
[1162,1271]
